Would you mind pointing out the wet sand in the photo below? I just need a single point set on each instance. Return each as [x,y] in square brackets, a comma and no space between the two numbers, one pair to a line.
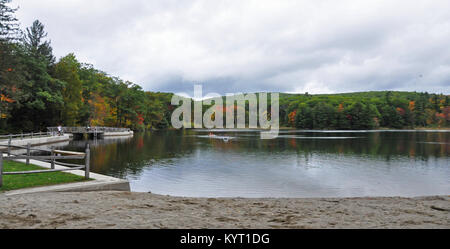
[144,210]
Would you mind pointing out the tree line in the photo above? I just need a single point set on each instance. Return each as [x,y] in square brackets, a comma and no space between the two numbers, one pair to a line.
[351,111]
[37,91]
[365,110]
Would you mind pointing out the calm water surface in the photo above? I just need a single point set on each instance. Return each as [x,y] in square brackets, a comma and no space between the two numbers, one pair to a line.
[297,164]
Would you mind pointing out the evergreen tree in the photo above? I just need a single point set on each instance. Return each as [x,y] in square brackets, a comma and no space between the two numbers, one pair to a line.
[324,116]
[362,116]
[36,45]
[42,94]
[304,117]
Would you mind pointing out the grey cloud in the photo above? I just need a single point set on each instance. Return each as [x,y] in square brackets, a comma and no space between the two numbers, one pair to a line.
[248,46]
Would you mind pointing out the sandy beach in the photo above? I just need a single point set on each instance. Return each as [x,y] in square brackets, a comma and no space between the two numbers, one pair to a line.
[145,210]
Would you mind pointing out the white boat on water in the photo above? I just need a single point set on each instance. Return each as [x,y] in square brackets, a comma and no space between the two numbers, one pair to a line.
[225,139]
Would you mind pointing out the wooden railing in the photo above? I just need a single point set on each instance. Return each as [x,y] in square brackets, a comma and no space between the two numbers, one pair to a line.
[94,129]
[22,136]
[52,159]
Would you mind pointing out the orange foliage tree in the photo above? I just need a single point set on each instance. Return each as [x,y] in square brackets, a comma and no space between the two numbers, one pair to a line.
[412,106]
[291,117]
[100,110]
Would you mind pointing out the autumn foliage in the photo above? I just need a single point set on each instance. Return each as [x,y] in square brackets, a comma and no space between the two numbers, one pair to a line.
[4,98]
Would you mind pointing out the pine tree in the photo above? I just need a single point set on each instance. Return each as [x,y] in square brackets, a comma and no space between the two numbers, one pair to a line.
[36,45]
[44,91]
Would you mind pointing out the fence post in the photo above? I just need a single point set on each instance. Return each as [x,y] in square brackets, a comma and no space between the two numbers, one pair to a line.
[21,136]
[31,135]
[53,159]
[1,169]
[9,145]
[28,153]
[87,159]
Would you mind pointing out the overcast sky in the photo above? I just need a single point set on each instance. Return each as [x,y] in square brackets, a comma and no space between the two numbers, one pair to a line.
[247,46]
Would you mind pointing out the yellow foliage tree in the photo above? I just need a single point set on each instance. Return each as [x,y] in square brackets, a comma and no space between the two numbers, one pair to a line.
[100,110]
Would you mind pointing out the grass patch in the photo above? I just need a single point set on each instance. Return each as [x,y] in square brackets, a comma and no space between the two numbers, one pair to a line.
[12,182]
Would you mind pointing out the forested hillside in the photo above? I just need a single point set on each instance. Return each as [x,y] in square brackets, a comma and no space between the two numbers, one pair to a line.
[37,91]
[365,110]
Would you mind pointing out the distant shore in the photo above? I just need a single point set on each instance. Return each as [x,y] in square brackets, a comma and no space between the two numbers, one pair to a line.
[434,128]
[145,210]
[292,128]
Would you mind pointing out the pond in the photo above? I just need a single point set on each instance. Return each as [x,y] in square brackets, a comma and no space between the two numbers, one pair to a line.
[299,163]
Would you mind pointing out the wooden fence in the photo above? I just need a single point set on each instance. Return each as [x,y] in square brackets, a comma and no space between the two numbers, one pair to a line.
[52,158]
[94,129]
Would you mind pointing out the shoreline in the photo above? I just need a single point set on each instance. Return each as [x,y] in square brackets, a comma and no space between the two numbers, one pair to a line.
[297,129]
[82,210]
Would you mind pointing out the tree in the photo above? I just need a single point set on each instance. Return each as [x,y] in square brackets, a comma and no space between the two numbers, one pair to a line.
[419,111]
[42,97]
[11,81]
[132,106]
[291,117]
[34,42]
[324,116]
[11,77]
[446,116]
[66,70]
[342,122]
[99,109]
[304,117]
[93,82]
[158,113]
[362,116]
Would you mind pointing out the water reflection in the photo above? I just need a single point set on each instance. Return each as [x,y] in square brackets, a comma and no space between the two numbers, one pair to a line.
[297,164]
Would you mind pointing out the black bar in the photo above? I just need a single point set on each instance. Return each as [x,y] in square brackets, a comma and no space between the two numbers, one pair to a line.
[277,238]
